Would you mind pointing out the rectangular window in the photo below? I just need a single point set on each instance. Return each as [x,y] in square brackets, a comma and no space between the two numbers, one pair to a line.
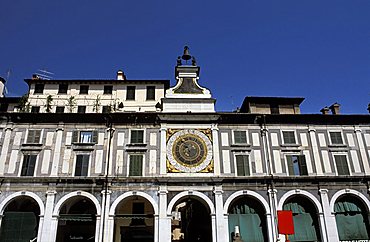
[106,109]
[33,136]
[84,89]
[130,95]
[59,109]
[28,166]
[336,138]
[137,137]
[242,165]
[136,165]
[63,88]
[289,137]
[274,109]
[81,109]
[240,137]
[82,165]
[35,109]
[150,93]
[297,165]
[342,165]
[108,89]
[86,137]
[39,89]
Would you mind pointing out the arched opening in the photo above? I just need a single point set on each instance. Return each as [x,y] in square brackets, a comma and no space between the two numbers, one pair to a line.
[77,220]
[247,216]
[191,221]
[306,222]
[352,219]
[134,220]
[20,221]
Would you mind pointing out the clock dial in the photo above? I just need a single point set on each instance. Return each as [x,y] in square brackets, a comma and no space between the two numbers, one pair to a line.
[189,150]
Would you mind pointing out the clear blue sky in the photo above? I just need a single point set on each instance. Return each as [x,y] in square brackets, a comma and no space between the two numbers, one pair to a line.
[317,49]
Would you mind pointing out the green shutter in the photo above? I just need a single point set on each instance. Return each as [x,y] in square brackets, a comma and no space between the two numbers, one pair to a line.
[75,136]
[18,226]
[95,136]
[289,161]
[302,165]
[250,227]
[37,136]
[341,163]
[242,165]
[136,165]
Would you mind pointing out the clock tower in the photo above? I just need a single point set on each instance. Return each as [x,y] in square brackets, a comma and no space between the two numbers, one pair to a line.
[187,95]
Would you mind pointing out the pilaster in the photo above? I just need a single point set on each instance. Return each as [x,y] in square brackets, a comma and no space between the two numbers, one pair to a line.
[164,219]
[329,217]
[50,224]
[216,154]
[221,223]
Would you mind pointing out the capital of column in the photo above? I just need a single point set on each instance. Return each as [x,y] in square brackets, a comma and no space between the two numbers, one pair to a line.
[59,129]
[311,129]
[357,129]
[214,127]
[218,191]
[323,191]
[51,193]
[272,191]
[106,192]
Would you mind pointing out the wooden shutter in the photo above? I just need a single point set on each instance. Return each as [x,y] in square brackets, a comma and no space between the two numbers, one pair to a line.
[31,165]
[242,165]
[95,136]
[342,166]
[78,169]
[75,136]
[302,165]
[85,165]
[289,160]
[136,165]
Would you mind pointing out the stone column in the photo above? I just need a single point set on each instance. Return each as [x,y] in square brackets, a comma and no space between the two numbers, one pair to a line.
[221,223]
[163,160]
[49,224]
[216,154]
[362,148]
[273,233]
[5,148]
[214,228]
[315,149]
[329,218]
[104,226]
[57,149]
[164,220]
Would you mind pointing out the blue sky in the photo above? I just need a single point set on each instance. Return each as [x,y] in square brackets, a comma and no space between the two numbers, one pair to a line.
[317,49]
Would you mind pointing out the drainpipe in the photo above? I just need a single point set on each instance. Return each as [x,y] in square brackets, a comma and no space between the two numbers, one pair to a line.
[271,187]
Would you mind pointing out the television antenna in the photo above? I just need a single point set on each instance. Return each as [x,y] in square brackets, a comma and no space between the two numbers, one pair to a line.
[44,74]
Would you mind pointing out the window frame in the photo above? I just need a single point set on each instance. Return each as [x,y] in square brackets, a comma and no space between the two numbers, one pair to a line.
[331,138]
[79,139]
[84,89]
[234,137]
[108,109]
[130,89]
[60,108]
[108,90]
[142,164]
[347,162]
[62,90]
[149,97]
[300,166]
[22,166]
[294,135]
[247,155]
[28,141]
[35,109]
[143,136]
[80,107]
[38,89]
[82,166]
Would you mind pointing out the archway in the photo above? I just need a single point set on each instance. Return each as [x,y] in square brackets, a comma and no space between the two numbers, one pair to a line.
[77,220]
[20,220]
[352,219]
[247,216]
[134,220]
[305,218]
[191,221]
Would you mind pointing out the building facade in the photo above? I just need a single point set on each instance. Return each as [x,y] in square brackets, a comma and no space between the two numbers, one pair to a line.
[137,160]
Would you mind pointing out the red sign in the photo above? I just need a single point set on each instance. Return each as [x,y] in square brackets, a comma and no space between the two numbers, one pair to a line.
[285,222]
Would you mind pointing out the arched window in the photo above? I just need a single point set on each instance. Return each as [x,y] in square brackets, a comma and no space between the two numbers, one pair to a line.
[352,220]
[306,227]
[247,215]
[20,221]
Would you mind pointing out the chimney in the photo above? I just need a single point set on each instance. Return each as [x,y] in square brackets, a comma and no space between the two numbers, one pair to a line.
[35,77]
[335,108]
[325,110]
[121,75]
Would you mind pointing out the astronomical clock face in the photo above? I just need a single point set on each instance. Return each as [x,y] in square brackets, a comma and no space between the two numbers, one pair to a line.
[189,151]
